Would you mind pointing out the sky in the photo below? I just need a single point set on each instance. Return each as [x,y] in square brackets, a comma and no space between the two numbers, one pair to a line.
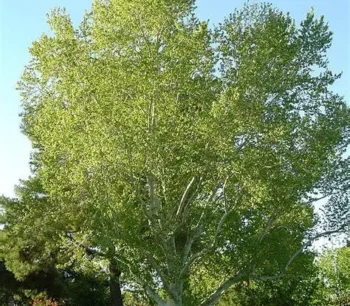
[23,21]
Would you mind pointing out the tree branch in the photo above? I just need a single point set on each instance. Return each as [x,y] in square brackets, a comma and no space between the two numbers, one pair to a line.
[268,227]
[198,231]
[183,198]
[297,253]
[316,199]
[154,295]
[151,292]
[213,298]
[87,249]
[160,273]
[212,245]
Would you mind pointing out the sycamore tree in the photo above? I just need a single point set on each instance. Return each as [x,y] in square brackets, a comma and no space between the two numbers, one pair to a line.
[185,153]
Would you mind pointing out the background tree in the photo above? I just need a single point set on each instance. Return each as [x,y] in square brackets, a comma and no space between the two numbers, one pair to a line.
[335,274]
[47,253]
[63,286]
[182,151]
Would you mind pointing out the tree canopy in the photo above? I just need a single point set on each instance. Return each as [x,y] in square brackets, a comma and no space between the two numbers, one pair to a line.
[179,152]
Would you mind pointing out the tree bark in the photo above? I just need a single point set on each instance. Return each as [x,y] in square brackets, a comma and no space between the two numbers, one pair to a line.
[116,298]
[174,300]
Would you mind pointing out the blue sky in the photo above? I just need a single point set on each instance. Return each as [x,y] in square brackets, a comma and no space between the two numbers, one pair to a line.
[23,21]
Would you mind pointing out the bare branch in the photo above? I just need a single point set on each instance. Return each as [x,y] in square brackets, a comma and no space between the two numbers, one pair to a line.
[212,245]
[224,193]
[213,299]
[340,229]
[154,295]
[198,231]
[214,193]
[316,199]
[188,263]
[183,198]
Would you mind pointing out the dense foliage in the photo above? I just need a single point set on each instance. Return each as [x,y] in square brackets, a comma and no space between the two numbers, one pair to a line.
[64,287]
[180,162]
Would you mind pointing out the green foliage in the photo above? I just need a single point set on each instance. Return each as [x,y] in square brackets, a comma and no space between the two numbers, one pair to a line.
[180,153]
[334,268]
[67,287]
[299,287]
[30,239]
[46,252]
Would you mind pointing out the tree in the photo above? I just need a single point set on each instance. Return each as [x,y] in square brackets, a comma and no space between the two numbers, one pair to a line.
[48,254]
[65,287]
[334,269]
[184,151]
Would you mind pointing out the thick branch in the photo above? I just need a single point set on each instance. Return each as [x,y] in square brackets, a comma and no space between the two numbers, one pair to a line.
[211,246]
[213,299]
[154,296]
[188,245]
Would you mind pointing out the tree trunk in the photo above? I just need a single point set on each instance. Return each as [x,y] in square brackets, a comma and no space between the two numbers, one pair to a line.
[116,298]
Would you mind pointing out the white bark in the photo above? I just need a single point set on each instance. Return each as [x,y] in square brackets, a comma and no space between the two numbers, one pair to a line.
[183,198]
[214,298]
